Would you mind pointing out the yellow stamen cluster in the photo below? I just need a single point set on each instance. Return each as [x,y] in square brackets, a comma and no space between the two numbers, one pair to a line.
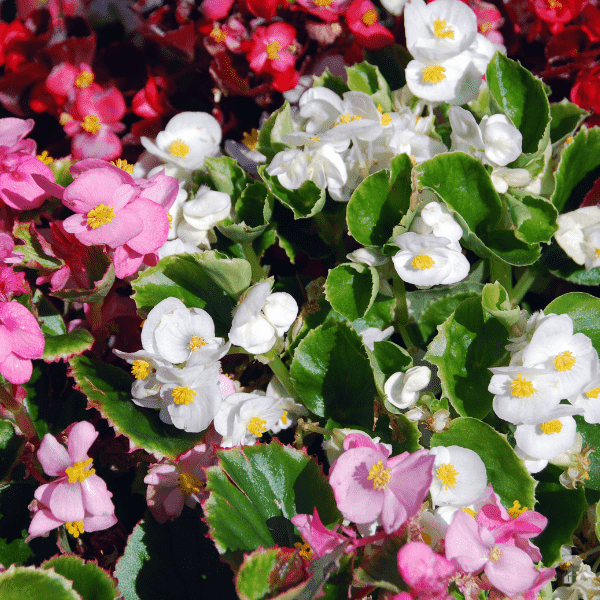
[597,251]
[469,511]
[593,393]
[123,164]
[250,140]
[284,418]
[521,388]
[140,369]
[485,27]
[323,2]
[495,554]
[422,262]
[386,119]
[433,74]
[516,509]
[550,427]
[370,17]
[84,80]
[178,148]
[447,474]
[257,426]
[197,342]
[554,4]
[183,395]
[565,361]
[91,124]
[379,475]
[101,215]
[218,35]
[78,472]
[348,118]
[64,118]
[304,550]
[315,138]
[45,158]
[273,49]
[441,29]
[189,484]
[75,528]
[170,219]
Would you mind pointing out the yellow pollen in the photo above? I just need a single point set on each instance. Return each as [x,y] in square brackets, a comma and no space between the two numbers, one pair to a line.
[170,219]
[521,388]
[550,427]
[564,361]
[485,27]
[273,49]
[197,342]
[596,249]
[45,158]
[469,511]
[495,554]
[370,17]
[413,159]
[179,148]
[323,2]
[257,426]
[189,484]
[315,139]
[91,124]
[554,4]
[447,474]
[386,119]
[123,164]
[422,262]
[379,475]
[101,215]
[64,118]
[183,395]
[569,139]
[250,140]
[336,28]
[348,118]
[433,74]
[593,393]
[140,369]
[303,548]
[78,473]
[75,528]
[441,29]
[516,509]
[284,419]
[218,35]
[84,79]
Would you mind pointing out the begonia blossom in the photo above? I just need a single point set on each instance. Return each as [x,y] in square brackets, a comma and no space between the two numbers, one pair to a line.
[426,572]
[402,389]
[321,540]
[579,235]
[363,22]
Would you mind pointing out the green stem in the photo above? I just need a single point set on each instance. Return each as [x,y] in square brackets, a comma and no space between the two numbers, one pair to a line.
[328,235]
[401,311]
[281,372]
[522,287]
[502,273]
[21,416]
[257,271]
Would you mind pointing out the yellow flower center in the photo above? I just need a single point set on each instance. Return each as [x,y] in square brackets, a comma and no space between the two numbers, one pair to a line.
[323,2]
[75,528]
[84,79]
[593,393]
[386,119]
[441,29]
[370,17]
[273,49]
[197,342]
[140,369]
[348,118]
[422,262]
[569,139]
[78,472]
[65,118]
[179,148]
[218,35]
[596,249]
[315,138]
[284,418]
[554,4]
[516,509]
[495,554]
[413,159]
[101,215]
[257,426]
[183,395]
[45,158]
[485,27]
[250,140]
[469,511]
[91,124]
[189,484]
[564,361]
[303,548]
[433,74]
[521,388]
[447,474]
[379,475]
[550,427]
[170,219]
[123,164]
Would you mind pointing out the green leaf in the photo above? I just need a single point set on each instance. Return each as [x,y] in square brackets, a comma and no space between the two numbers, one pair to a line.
[351,289]
[566,118]
[392,62]
[36,249]
[563,508]
[363,77]
[64,346]
[379,202]
[51,321]
[18,583]
[331,82]
[226,174]
[10,448]
[505,470]
[521,97]
[277,125]
[333,375]
[108,389]
[578,169]
[590,433]
[534,218]
[255,490]
[555,260]
[496,302]
[172,560]
[380,315]
[197,281]
[468,343]
[386,359]
[89,580]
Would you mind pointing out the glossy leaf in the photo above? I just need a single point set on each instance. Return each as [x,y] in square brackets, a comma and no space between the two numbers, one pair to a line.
[556,261]
[496,302]
[269,138]
[534,218]
[351,289]
[18,583]
[227,175]
[367,78]
[64,346]
[566,118]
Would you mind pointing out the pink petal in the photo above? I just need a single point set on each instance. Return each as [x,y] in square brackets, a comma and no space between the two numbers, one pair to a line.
[173,503]
[514,573]
[464,546]
[160,188]
[5,344]
[17,370]
[66,502]
[156,226]
[43,521]
[127,262]
[125,225]
[162,475]
[13,130]
[104,144]
[393,512]
[81,437]
[26,337]
[96,497]
[53,457]
[98,522]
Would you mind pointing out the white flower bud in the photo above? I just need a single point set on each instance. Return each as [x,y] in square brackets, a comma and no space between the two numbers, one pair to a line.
[207,209]
[402,389]
[501,139]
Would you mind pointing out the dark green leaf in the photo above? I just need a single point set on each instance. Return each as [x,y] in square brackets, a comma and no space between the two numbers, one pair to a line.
[19,583]
[566,118]
[64,346]
[10,448]
[227,175]
[351,289]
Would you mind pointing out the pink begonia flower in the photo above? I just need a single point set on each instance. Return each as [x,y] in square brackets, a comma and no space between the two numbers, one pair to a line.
[12,132]
[363,22]
[473,548]
[11,283]
[78,496]
[170,485]
[426,572]
[321,540]
[215,10]
[226,386]
[367,484]
[8,254]
[328,12]
[21,340]
[65,81]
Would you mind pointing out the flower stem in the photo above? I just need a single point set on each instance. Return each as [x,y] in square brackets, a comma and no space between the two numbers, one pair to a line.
[21,416]
[257,271]
[502,273]
[281,372]
[522,287]
[401,311]
[328,235]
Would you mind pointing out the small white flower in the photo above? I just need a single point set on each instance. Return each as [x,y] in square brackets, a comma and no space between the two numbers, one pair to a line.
[187,140]
[368,256]
[579,235]
[402,389]
[175,247]
[502,141]
[435,219]
[290,168]
[321,108]
[328,170]
[370,335]
[589,401]
[459,476]
[291,410]
[394,7]
[207,209]
[533,465]
[503,178]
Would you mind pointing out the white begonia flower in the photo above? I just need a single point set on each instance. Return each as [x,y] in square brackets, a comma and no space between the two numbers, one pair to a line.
[328,171]
[439,420]
[261,318]
[418,147]
[402,389]
[586,585]
[533,465]
[433,527]
[176,247]
[579,235]
[187,140]
[502,141]
[370,335]
[243,418]
[445,514]
[572,357]
[368,256]
[459,476]
[290,168]
[291,410]
[321,108]
[191,396]
[523,331]
[425,260]
[503,178]
[207,208]
[435,219]
[394,7]
[176,213]
[522,393]
[589,401]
